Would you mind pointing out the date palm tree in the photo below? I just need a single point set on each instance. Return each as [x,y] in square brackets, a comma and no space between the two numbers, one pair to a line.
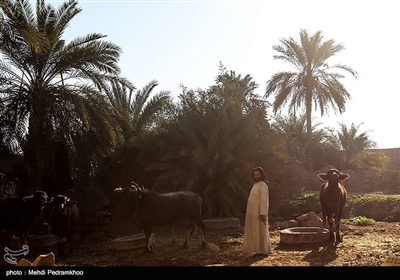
[138,114]
[355,148]
[313,83]
[51,101]
[218,135]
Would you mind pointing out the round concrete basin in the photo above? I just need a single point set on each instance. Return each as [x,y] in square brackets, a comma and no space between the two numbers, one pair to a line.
[129,242]
[35,241]
[300,235]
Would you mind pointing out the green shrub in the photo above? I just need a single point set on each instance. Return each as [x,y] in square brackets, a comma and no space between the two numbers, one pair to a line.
[361,221]
[376,207]
[300,204]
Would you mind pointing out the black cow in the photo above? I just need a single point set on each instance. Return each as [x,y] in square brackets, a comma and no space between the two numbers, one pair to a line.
[19,212]
[333,197]
[62,215]
[156,209]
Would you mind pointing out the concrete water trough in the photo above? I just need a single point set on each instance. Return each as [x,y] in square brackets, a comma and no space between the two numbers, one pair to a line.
[303,235]
[35,241]
[129,242]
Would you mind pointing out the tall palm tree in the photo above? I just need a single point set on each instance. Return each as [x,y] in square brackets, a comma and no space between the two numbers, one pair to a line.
[313,82]
[51,91]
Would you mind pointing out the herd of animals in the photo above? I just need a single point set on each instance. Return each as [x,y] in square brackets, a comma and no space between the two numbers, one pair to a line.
[150,209]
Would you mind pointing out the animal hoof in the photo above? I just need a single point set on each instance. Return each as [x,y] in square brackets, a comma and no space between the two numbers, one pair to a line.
[147,251]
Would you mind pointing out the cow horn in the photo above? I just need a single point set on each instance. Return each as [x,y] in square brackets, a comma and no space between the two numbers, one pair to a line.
[118,190]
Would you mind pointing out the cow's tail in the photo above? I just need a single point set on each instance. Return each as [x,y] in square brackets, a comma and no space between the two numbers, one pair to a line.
[200,204]
[200,201]
[339,206]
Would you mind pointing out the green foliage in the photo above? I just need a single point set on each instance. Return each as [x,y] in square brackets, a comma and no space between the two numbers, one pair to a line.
[300,204]
[372,159]
[67,111]
[345,148]
[350,148]
[377,208]
[217,137]
[213,246]
[360,221]
[52,107]
[293,129]
[313,82]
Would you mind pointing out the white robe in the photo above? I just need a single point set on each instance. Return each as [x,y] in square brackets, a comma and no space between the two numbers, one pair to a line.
[256,233]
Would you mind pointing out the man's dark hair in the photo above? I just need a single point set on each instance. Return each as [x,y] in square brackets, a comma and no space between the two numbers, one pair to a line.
[261,170]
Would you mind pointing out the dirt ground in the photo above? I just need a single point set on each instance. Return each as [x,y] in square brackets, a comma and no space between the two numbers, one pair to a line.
[362,246]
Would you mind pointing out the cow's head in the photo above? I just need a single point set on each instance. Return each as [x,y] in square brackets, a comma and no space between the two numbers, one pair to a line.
[130,188]
[59,203]
[37,200]
[38,196]
[333,175]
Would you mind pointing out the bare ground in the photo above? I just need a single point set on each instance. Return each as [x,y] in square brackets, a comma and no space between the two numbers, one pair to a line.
[362,246]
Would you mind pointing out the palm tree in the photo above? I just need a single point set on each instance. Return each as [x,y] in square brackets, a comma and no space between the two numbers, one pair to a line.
[51,91]
[354,148]
[218,136]
[293,131]
[138,114]
[312,83]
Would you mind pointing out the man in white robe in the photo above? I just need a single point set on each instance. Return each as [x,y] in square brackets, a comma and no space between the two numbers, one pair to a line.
[256,229]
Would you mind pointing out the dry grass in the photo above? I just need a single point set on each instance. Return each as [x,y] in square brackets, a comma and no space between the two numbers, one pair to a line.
[362,246]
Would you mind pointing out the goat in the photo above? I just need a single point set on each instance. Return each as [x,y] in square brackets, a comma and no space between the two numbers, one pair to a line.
[62,215]
[333,197]
[156,209]
[19,212]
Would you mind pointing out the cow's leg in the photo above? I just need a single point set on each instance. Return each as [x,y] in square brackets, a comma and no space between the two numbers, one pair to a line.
[149,243]
[63,245]
[70,239]
[330,222]
[190,228]
[337,227]
[61,248]
[323,217]
[202,229]
[174,240]
[24,235]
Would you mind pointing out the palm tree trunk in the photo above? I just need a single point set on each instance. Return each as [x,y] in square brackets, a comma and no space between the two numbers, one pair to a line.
[309,131]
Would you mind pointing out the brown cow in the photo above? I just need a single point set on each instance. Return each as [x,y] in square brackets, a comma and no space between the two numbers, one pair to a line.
[332,197]
[62,215]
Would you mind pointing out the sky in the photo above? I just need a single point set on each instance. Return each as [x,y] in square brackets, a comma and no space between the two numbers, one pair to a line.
[183,42]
